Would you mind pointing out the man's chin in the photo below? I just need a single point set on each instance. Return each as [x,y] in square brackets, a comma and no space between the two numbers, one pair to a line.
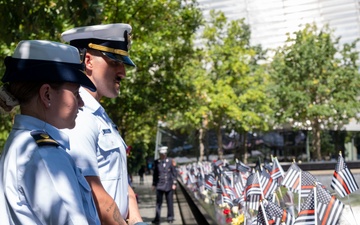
[113,94]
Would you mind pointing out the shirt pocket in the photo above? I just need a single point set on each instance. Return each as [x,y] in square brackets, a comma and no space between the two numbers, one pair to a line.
[109,141]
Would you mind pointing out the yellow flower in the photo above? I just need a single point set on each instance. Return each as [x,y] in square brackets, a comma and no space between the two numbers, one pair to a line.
[238,220]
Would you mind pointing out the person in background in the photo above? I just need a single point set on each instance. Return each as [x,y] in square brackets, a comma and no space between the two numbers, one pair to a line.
[39,182]
[164,181]
[150,167]
[141,173]
[96,145]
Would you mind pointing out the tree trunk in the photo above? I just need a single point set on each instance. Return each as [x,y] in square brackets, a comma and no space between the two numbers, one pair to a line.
[237,148]
[201,143]
[205,136]
[219,142]
[245,148]
[316,142]
[206,142]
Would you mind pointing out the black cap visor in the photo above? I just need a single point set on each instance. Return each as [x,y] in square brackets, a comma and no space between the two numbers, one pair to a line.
[119,58]
[46,71]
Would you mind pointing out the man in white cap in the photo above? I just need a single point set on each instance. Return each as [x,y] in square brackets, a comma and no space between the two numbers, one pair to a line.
[164,181]
[96,146]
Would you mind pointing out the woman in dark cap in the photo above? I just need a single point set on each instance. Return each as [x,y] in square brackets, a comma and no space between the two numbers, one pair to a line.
[39,182]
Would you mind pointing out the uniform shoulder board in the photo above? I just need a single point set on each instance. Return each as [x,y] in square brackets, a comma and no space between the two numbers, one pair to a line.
[43,139]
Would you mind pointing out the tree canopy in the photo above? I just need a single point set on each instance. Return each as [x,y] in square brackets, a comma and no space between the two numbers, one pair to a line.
[200,75]
[229,83]
[161,42]
[316,82]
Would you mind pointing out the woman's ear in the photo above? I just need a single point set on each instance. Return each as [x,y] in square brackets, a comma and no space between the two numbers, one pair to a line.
[45,95]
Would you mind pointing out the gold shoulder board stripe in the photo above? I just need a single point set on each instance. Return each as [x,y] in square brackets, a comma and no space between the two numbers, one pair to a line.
[43,139]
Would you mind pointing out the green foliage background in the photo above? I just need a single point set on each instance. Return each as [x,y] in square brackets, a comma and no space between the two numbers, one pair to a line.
[162,40]
[224,83]
[316,81]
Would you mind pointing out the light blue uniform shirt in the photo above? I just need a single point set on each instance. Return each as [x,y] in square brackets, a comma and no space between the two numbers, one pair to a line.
[41,184]
[99,150]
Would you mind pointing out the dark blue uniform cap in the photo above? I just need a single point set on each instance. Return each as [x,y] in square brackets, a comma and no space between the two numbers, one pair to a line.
[46,61]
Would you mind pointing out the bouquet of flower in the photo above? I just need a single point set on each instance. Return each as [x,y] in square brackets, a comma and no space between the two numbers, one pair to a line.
[232,214]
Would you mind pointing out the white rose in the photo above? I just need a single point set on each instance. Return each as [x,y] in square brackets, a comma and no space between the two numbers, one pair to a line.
[206,200]
[235,209]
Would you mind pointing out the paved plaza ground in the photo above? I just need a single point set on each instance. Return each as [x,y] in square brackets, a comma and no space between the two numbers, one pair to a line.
[147,199]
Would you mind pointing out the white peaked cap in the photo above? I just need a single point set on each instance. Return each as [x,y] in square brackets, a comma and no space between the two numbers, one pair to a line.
[114,40]
[163,150]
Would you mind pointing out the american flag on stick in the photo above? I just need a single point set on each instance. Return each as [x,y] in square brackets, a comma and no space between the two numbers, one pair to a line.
[343,181]
[262,216]
[276,215]
[328,207]
[226,188]
[210,181]
[292,177]
[307,214]
[277,173]
[242,167]
[253,191]
[268,185]
[307,183]
[253,185]
[243,170]
[239,189]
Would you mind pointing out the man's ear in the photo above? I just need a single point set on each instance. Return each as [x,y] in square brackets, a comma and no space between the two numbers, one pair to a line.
[88,60]
[45,95]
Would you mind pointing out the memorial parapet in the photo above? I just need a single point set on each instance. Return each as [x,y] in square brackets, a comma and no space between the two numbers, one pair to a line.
[239,194]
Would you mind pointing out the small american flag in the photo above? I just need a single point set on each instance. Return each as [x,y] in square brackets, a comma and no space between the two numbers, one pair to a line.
[226,188]
[308,181]
[277,214]
[253,191]
[239,188]
[307,214]
[226,199]
[253,201]
[328,207]
[229,176]
[268,185]
[277,173]
[241,167]
[262,216]
[292,178]
[209,181]
[253,185]
[343,181]
[217,167]
[191,177]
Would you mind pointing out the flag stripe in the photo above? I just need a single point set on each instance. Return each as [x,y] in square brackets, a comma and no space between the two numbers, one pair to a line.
[341,180]
[349,179]
[337,186]
[291,179]
[305,212]
[327,212]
